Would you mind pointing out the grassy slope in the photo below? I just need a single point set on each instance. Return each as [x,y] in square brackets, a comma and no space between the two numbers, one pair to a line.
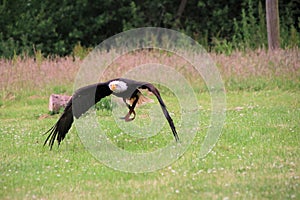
[256,157]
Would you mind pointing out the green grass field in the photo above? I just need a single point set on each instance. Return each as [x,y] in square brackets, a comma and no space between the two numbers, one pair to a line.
[256,157]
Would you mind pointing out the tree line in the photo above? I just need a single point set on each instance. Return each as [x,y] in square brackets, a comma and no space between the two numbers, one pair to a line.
[56,27]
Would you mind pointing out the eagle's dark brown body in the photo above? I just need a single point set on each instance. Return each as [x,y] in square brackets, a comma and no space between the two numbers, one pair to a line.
[85,97]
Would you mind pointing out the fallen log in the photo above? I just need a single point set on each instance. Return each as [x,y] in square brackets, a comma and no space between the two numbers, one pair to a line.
[57,102]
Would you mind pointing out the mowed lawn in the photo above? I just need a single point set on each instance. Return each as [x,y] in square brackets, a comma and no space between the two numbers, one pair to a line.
[256,157]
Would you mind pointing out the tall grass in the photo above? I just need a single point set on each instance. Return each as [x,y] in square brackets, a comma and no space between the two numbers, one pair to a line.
[21,75]
[252,70]
[260,69]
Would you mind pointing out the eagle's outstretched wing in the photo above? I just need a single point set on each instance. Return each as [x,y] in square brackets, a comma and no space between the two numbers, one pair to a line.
[83,99]
[155,91]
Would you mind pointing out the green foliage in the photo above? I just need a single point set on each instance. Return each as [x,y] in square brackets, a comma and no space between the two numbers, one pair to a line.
[61,27]
[223,46]
[59,89]
[136,18]
[290,36]
[104,104]
[38,57]
[250,32]
[80,52]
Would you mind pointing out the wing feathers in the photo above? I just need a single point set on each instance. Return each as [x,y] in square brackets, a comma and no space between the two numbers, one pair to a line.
[83,99]
[61,127]
[154,90]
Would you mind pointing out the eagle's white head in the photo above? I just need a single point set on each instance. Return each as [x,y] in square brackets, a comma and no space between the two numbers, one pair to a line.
[117,86]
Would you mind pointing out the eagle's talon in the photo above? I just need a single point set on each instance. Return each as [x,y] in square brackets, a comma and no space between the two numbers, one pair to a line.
[127,117]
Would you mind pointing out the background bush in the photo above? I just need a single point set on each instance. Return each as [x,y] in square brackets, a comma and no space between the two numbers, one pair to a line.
[56,27]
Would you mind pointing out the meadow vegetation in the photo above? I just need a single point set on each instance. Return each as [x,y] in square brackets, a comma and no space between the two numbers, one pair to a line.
[256,157]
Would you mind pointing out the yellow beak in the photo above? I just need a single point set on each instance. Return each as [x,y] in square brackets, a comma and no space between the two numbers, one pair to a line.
[113,87]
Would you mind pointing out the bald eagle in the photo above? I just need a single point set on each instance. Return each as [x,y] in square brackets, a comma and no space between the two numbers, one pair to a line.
[85,97]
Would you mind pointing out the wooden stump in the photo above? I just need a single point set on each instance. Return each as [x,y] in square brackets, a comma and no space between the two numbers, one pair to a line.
[57,101]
